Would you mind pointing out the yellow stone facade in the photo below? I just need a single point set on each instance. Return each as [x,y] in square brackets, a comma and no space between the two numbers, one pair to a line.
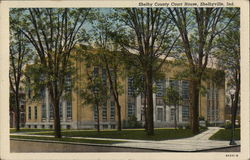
[82,115]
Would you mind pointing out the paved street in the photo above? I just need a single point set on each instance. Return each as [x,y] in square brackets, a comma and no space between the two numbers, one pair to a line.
[196,143]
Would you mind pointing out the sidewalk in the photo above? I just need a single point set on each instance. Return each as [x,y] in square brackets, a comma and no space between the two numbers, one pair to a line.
[196,143]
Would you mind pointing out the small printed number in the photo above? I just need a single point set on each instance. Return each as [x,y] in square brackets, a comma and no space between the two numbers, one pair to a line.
[232,155]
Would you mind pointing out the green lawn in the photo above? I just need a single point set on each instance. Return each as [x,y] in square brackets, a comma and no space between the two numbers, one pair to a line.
[225,135]
[68,139]
[140,134]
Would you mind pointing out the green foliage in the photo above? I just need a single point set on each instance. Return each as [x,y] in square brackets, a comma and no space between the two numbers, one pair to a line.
[132,123]
[172,96]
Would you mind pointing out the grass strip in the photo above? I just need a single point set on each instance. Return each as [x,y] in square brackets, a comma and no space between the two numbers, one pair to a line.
[67,139]
[160,134]
[225,135]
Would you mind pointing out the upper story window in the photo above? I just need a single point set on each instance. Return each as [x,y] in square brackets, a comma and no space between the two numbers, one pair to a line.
[185,89]
[104,112]
[68,82]
[104,77]
[130,86]
[112,110]
[160,85]
[95,71]
[174,84]
[60,110]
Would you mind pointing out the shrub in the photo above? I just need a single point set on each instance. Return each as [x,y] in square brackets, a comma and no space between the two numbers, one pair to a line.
[132,123]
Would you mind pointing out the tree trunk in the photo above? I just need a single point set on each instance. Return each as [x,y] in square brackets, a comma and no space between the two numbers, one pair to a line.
[57,121]
[235,103]
[145,106]
[194,106]
[119,128]
[17,115]
[150,107]
[98,118]
[175,117]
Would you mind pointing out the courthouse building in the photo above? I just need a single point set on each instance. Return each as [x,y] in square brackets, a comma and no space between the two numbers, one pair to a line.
[77,115]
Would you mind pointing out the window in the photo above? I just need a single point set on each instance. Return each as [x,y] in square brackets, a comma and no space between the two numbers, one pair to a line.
[112,110]
[51,112]
[159,101]
[42,92]
[112,126]
[35,112]
[185,113]
[160,88]
[130,86]
[29,92]
[185,90]
[68,82]
[95,113]
[60,110]
[104,77]
[174,84]
[29,113]
[69,110]
[104,112]
[172,114]
[212,103]
[131,109]
[160,114]
[105,126]
[43,111]
[95,71]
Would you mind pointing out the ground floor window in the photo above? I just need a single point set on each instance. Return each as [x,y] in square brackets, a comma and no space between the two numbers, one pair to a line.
[185,113]
[69,110]
[160,114]
[172,114]
[51,112]
[35,112]
[29,113]
[43,111]
[131,109]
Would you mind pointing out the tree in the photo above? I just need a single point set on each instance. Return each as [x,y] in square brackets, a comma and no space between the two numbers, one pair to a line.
[172,97]
[53,33]
[199,28]
[110,57]
[96,89]
[20,54]
[145,33]
[228,58]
